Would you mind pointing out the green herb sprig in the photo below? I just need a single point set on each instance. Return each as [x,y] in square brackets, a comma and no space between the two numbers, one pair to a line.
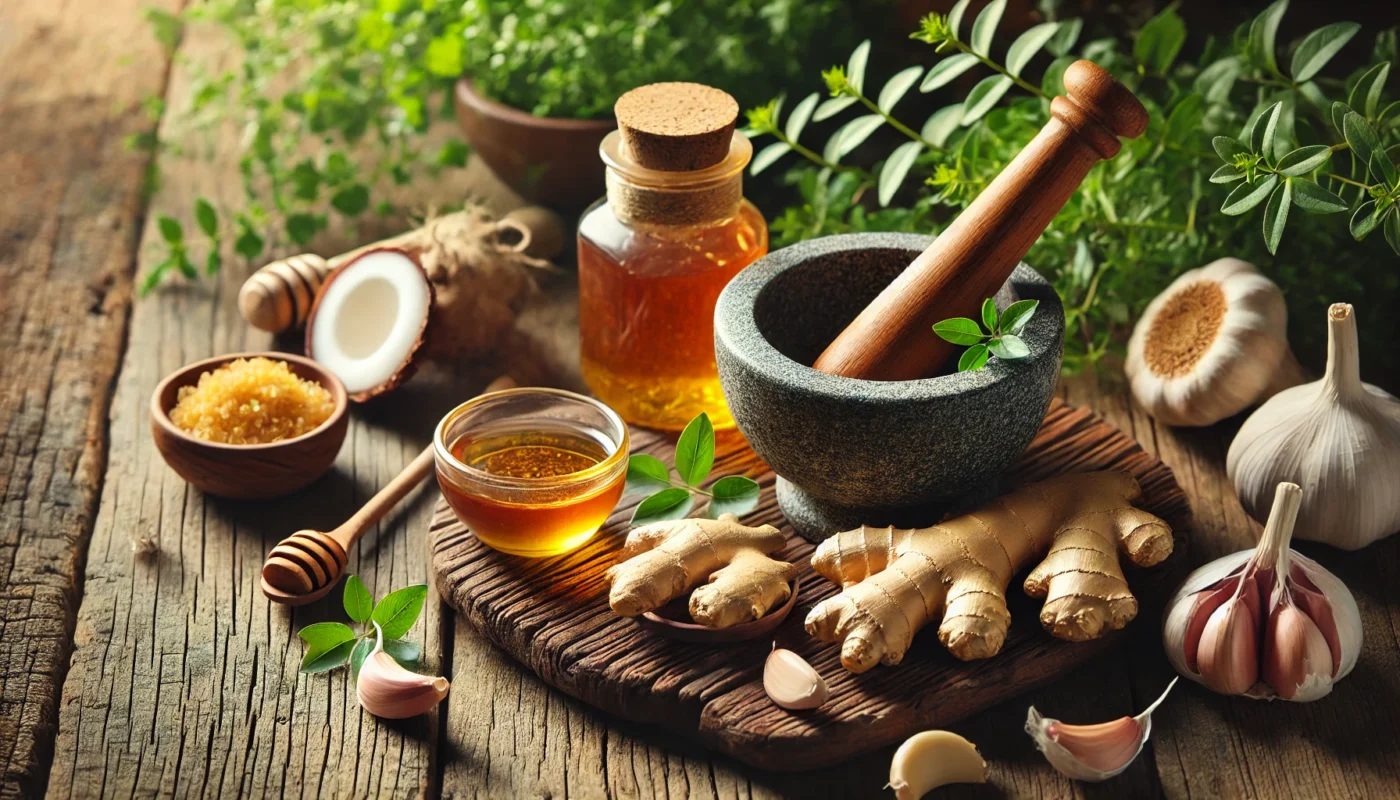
[330,645]
[998,336]
[695,457]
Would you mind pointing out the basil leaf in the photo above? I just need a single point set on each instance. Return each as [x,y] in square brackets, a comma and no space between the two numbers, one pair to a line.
[397,612]
[989,315]
[405,652]
[695,450]
[358,602]
[358,655]
[974,359]
[329,660]
[1017,315]
[1009,348]
[959,330]
[646,474]
[673,503]
[734,494]
[322,638]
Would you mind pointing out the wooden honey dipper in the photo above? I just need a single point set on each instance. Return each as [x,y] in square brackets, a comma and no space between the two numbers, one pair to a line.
[892,339]
[303,567]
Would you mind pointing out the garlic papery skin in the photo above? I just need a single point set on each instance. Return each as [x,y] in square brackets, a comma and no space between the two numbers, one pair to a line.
[1093,752]
[1211,345]
[1338,438]
[1266,623]
[387,690]
[791,682]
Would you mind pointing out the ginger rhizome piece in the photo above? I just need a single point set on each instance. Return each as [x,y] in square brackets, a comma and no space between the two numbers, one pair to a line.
[664,560]
[895,581]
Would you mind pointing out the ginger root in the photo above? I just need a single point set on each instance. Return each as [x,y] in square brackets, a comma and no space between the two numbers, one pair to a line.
[895,581]
[664,560]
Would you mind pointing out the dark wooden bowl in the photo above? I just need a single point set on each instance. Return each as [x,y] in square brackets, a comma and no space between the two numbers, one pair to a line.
[248,471]
[673,621]
[548,160]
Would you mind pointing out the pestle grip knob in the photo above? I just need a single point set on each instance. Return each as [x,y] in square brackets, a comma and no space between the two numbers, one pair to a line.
[893,339]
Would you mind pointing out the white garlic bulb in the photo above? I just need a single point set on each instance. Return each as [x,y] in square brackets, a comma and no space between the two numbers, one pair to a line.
[1211,345]
[1267,622]
[1338,438]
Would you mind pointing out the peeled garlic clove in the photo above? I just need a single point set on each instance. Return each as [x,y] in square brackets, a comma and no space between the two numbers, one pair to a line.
[1228,652]
[791,682]
[932,759]
[387,690]
[1297,659]
[1093,752]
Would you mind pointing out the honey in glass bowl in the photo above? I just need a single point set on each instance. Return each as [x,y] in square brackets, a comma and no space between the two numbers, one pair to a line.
[532,472]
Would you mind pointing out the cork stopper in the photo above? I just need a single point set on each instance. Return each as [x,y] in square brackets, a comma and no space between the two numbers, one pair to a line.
[676,127]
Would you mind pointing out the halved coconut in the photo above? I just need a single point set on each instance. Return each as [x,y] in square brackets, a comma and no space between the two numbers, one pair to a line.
[370,321]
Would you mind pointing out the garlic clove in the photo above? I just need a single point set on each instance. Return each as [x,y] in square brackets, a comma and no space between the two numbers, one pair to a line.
[1228,654]
[1297,659]
[385,689]
[1346,617]
[932,759]
[1093,752]
[791,682]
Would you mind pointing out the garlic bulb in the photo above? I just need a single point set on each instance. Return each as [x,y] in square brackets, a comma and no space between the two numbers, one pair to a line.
[1338,438]
[791,682]
[1267,622]
[388,690]
[1211,345]
[1093,752]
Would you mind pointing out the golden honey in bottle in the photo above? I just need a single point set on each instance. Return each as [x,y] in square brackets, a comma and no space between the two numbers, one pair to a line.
[656,252]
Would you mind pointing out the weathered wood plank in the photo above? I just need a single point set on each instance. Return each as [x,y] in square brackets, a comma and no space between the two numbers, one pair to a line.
[70,213]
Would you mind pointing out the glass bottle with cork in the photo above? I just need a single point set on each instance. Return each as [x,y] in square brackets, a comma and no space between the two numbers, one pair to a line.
[655,253]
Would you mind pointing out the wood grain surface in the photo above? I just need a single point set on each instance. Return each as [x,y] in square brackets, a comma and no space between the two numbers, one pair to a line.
[552,614]
[184,679]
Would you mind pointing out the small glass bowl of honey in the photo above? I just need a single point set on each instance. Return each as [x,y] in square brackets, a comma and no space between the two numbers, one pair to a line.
[532,472]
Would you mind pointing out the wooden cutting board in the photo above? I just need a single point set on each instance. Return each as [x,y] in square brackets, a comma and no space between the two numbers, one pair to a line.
[552,615]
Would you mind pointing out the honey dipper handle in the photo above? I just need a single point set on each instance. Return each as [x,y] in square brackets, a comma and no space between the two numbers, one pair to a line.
[892,339]
[402,484]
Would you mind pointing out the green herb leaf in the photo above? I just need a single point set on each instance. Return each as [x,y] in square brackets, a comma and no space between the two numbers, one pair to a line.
[443,57]
[363,647]
[1261,134]
[170,229]
[734,494]
[896,87]
[1339,113]
[955,16]
[207,218]
[1319,47]
[941,124]
[1382,167]
[855,132]
[800,115]
[1361,137]
[1364,220]
[352,200]
[358,602]
[1065,37]
[337,656]
[974,358]
[960,331]
[306,180]
[1028,44]
[1247,196]
[833,106]
[673,503]
[1053,81]
[945,71]
[1160,40]
[302,226]
[248,244]
[855,68]
[1316,199]
[1276,214]
[1016,316]
[1304,160]
[322,638]
[1263,32]
[168,28]
[213,262]
[1185,119]
[405,652]
[1215,82]
[397,612]
[1392,229]
[985,27]
[989,315]
[768,155]
[1366,92]
[695,450]
[984,96]
[1228,148]
[896,167]
[1226,174]
[1009,348]
[1081,268]
[454,153]
[646,473]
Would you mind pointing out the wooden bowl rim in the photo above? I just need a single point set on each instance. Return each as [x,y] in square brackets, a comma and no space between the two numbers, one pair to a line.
[743,632]
[323,376]
[468,96]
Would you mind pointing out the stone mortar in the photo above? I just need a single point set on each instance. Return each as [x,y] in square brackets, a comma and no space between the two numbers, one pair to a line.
[850,452]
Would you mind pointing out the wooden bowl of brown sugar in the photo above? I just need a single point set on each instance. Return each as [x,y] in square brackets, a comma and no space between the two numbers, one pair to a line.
[249,471]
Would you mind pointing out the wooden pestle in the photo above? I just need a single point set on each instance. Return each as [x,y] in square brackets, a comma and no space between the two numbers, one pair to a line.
[892,339]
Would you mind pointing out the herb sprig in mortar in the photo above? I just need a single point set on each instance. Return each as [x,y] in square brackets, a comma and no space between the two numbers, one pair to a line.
[1001,337]
[695,457]
[334,644]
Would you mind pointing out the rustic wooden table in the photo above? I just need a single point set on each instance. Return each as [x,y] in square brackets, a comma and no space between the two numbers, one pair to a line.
[170,674]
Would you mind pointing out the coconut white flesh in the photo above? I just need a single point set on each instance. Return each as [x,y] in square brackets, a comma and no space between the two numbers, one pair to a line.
[370,319]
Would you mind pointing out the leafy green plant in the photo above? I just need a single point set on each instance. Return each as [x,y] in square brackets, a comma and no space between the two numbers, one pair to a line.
[695,457]
[333,100]
[330,645]
[995,335]
[1151,212]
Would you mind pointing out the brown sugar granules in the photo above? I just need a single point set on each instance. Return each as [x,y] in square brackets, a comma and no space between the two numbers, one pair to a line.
[1185,329]
[251,401]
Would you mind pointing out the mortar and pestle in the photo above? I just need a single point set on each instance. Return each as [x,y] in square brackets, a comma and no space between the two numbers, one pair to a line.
[830,366]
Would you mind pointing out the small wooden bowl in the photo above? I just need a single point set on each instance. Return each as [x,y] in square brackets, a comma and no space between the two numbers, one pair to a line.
[673,622]
[248,471]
